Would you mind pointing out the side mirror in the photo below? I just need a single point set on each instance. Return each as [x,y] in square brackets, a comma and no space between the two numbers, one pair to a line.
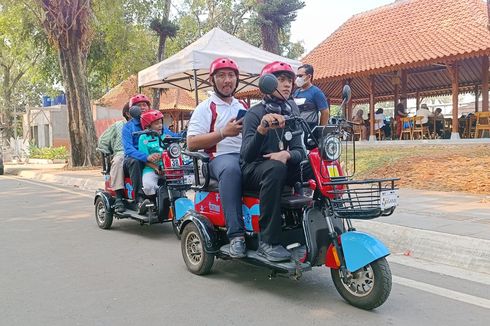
[135,112]
[346,93]
[268,84]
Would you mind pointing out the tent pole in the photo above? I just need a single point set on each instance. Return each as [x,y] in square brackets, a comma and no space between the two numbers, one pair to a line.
[195,87]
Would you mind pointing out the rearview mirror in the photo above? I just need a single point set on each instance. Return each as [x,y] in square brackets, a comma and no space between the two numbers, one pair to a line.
[268,84]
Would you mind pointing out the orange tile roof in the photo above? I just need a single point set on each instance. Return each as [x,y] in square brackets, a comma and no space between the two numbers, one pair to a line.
[170,99]
[404,34]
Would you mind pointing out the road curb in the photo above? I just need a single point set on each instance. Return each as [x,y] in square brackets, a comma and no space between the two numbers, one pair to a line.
[81,183]
[450,249]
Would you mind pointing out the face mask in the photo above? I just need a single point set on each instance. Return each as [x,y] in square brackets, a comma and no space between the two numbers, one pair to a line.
[300,81]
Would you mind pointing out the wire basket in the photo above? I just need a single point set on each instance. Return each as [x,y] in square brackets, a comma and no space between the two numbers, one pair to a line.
[176,176]
[365,199]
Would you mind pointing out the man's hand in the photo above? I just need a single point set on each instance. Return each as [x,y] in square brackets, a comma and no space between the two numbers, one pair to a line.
[273,120]
[282,156]
[233,128]
[155,157]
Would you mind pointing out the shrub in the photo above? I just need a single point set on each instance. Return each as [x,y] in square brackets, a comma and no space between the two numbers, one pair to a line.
[49,153]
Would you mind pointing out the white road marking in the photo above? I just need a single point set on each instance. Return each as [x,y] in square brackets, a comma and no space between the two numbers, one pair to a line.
[454,295]
[39,183]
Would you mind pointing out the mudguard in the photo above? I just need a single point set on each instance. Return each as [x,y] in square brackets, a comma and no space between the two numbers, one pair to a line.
[182,206]
[205,227]
[361,249]
[108,200]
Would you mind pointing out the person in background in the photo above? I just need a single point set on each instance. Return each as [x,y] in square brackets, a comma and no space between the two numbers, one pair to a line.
[358,119]
[315,101]
[439,122]
[111,141]
[400,113]
[381,123]
[424,112]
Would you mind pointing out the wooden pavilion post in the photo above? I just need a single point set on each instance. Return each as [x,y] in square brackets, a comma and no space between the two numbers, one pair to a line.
[348,107]
[417,101]
[404,78]
[477,96]
[372,103]
[454,74]
[484,85]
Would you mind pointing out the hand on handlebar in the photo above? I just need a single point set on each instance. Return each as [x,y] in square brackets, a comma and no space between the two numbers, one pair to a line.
[271,121]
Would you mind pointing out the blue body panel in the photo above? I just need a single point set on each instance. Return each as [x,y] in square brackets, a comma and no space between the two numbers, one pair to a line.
[182,205]
[361,249]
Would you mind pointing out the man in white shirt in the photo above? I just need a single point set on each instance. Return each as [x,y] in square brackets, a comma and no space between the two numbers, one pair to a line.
[213,128]
[424,112]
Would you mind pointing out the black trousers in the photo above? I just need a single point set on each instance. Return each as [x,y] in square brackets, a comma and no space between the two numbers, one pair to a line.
[134,168]
[269,178]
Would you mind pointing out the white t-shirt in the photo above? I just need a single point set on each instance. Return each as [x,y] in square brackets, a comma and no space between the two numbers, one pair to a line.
[380,120]
[425,114]
[201,123]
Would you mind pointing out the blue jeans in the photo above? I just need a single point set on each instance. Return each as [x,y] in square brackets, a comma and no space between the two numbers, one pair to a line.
[226,169]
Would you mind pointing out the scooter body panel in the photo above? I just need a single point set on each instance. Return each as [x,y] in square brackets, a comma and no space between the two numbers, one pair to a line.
[361,249]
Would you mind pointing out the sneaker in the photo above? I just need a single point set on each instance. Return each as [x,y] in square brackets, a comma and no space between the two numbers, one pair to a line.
[238,247]
[273,253]
[119,206]
[143,206]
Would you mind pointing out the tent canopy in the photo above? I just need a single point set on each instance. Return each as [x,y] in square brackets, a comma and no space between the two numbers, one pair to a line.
[189,68]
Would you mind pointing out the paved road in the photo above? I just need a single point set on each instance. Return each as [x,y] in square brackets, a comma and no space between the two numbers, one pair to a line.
[58,268]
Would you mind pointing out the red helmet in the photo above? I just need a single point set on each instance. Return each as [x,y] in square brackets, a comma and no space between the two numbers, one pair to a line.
[223,63]
[149,117]
[277,67]
[138,98]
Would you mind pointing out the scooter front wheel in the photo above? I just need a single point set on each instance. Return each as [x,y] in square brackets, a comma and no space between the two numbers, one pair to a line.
[366,288]
[198,261]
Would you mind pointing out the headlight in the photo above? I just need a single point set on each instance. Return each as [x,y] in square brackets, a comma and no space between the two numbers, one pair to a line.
[174,150]
[331,148]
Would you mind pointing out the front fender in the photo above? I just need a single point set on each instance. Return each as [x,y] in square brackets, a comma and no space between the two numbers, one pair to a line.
[361,249]
[205,228]
[182,206]
[106,197]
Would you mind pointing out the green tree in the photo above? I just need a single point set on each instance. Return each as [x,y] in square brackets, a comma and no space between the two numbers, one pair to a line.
[68,24]
[274,17]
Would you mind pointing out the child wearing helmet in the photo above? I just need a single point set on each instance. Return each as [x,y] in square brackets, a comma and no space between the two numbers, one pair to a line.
[150,145]
[270,157]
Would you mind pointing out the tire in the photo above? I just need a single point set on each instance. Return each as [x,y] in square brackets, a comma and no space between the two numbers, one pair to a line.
[197,260]
[103,215]
[375,276]
[1,171]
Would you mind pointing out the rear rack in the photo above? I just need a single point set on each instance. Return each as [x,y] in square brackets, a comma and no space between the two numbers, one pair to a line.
[175,177]
[363,199]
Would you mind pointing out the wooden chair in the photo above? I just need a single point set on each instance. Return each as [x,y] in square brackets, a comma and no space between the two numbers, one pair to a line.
[470,127]
[418,128]
[482,124]
[357,132]
[380,134]
[406,128]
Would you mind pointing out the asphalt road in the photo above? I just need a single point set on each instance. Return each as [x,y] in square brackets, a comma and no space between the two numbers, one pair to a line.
[58,268]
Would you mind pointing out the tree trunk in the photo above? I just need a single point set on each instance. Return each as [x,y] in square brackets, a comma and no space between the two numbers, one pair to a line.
[160,56]
[80,120]
[270,37]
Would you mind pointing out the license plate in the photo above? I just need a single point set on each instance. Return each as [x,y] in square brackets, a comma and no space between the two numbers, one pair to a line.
[388,199]
[189,178]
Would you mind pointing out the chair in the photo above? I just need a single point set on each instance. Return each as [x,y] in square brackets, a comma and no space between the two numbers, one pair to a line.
[419,128]
[482,124]
[470,127]
[380,134]
[406,128]
[357,132]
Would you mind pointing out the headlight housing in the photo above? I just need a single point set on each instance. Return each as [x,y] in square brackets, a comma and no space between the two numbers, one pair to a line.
[174,150]
[330,148]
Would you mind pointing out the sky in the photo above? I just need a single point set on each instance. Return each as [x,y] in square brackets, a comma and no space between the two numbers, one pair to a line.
[320,18]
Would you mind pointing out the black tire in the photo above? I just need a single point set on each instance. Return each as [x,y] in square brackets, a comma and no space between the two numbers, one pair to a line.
[103,214]
[369,287]
[197,260]
[2,171]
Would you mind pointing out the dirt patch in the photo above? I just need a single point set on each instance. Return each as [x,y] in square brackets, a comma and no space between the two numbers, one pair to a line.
[462,168]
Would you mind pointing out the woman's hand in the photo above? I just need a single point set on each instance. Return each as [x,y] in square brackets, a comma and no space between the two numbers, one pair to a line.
[282,156]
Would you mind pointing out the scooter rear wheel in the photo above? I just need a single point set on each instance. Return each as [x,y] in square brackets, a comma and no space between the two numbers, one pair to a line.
[103,214]
[198,261]
[368,287]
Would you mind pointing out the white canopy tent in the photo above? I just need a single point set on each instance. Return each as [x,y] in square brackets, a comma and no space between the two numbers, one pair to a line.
[188,69]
